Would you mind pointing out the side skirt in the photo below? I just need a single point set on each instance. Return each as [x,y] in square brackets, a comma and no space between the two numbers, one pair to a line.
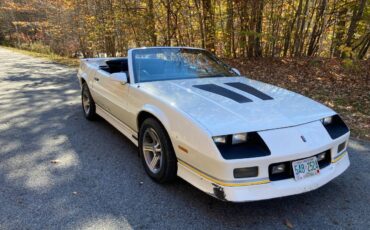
[124,129]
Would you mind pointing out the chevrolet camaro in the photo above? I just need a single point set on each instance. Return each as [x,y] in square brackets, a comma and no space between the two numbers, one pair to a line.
[195,117]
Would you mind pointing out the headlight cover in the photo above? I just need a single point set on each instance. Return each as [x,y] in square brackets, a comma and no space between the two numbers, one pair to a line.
[231,139]
[335,126]
[327,120]
[241,145]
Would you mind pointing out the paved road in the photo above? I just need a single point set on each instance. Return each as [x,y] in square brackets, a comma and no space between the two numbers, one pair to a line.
[59,171]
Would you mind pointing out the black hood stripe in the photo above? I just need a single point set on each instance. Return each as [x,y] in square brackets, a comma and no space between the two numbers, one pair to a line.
[249,89]
[223,92]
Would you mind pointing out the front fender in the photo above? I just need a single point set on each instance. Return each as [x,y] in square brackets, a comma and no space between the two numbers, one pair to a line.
[156,112]
[192,143]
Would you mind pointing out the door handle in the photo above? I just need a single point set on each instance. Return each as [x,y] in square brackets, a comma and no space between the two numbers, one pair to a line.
[96,79]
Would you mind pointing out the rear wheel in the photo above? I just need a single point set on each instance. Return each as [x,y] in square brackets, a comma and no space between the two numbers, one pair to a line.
[156,152]
[88,104]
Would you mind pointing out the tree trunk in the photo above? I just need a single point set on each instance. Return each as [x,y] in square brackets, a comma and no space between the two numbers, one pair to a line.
[257,43]
[168,21]
[151,23]
[243,18]
[209,24]
[364,48]
[229,44]
[357,15]
[288,33]
[339,34]
[200,21]
[317,29]
[252,28]
[299,30]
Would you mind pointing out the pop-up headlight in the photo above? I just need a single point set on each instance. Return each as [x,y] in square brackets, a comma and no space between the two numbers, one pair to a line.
[335,126]
[241,145]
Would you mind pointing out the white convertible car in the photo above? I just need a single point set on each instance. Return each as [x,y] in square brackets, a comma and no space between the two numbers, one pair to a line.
[232,137]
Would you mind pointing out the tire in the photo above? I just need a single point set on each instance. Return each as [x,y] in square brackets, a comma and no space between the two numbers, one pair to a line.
[88,104]
[165,170]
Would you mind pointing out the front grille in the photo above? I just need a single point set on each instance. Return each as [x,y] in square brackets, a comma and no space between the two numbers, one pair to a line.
[288,173]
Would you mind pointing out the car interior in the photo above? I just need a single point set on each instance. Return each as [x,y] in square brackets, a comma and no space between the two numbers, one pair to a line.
[115,66]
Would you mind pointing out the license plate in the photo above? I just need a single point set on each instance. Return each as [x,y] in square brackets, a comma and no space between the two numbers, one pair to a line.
[305,168]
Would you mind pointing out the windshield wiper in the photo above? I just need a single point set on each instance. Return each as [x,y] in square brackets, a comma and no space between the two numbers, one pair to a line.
[216,75]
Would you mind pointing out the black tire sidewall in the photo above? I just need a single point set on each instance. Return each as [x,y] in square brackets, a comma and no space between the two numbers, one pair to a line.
[91,114]
[168,170]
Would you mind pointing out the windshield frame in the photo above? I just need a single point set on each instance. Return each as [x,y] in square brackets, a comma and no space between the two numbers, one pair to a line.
[136,79]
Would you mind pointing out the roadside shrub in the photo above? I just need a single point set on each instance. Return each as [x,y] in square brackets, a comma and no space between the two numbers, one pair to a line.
[351,65]
[37,47]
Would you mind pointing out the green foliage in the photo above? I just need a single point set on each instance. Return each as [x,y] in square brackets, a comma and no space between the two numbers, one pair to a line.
[351,65]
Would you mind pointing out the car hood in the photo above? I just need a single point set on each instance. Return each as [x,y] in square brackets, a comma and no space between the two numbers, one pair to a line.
[224,112]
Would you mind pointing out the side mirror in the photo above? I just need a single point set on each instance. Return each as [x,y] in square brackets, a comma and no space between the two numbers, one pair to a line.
[236,71]
[120,77]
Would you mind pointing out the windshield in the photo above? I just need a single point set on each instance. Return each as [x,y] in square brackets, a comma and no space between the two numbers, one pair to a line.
[158,64]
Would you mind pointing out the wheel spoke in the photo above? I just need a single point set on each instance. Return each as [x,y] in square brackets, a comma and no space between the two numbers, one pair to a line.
[152,150]
[148,147]
[157,148]
[154,162]
[153,136]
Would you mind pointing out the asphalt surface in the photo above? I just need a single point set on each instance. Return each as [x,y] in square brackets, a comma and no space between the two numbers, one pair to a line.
[59,171]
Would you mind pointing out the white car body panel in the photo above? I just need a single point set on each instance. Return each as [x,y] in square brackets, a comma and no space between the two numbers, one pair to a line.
[285,110]
[192,116]
[262,190]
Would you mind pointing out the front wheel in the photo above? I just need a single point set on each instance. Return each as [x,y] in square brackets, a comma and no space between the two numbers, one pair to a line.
[156,152]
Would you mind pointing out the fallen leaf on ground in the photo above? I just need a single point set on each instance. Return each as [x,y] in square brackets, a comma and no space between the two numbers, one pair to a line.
[54,161]
[288,223]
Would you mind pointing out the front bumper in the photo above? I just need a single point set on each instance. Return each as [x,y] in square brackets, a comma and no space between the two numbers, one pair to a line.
[263,189]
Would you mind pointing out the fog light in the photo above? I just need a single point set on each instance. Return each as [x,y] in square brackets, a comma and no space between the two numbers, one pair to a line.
[278,169]
[246,172]
[321,156]
[341,147]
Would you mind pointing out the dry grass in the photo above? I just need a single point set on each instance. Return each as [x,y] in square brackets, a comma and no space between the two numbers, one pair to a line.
[72,62]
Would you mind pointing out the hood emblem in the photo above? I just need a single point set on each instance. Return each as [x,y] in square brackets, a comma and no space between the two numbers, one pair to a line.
[303,139]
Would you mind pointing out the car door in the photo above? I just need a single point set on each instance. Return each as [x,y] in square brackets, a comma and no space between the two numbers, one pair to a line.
[112,96]
[99,90]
